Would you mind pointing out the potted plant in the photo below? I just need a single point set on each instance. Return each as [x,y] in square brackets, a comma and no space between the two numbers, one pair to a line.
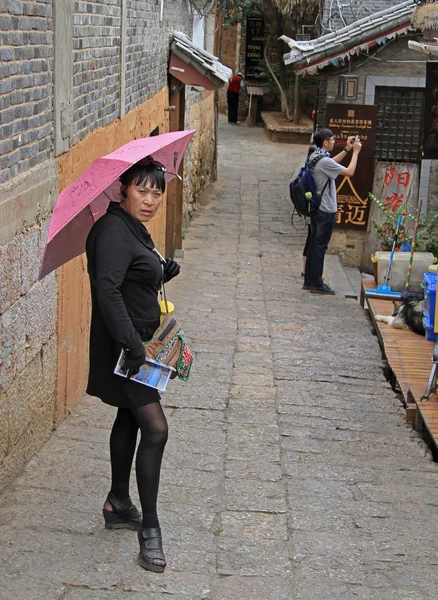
[386,225]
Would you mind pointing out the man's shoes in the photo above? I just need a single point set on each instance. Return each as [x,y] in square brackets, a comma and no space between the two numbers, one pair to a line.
[306,286]
[323,289]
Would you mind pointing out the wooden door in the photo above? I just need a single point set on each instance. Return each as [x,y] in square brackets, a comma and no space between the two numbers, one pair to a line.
[174,210]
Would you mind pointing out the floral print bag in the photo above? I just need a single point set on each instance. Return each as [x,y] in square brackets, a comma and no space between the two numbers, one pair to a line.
[168,346]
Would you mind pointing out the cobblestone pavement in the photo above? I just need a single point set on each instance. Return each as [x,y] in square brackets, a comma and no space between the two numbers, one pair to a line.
[290,472]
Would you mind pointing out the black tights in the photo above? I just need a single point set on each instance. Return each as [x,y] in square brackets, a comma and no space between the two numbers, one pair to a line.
[152,423]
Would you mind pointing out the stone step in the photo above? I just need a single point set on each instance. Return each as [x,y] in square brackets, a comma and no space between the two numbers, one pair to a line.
[345,280]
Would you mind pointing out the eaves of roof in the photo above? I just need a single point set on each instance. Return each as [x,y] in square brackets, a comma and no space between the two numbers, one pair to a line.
[309,57]
[200,60]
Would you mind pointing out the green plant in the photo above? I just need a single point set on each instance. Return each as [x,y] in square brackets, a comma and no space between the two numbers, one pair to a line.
[427,234]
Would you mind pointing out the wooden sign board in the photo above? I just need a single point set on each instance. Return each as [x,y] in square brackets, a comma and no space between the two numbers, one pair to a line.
[255,39]
[346,120]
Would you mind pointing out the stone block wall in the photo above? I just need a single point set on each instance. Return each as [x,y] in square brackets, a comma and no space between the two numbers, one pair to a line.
[200,153]
[28,355]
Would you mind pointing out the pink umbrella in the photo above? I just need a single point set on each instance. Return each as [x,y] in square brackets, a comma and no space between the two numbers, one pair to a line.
[86,199]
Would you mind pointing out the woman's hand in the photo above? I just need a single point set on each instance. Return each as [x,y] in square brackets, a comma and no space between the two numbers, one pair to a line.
[134,359]
[171,269]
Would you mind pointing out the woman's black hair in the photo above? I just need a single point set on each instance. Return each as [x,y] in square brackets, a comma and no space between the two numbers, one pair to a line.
[143,175]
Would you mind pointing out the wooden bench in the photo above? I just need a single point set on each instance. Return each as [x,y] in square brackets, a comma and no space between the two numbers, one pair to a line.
[409,357]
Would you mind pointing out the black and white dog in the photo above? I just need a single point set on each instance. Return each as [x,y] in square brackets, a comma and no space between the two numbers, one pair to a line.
[407,313]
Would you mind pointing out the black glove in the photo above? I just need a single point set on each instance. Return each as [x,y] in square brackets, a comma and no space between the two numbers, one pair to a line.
[134,359]
[171,269]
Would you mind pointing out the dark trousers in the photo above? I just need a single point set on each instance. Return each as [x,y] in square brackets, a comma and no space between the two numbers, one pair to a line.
[306,245]
[233,104]
[321,224]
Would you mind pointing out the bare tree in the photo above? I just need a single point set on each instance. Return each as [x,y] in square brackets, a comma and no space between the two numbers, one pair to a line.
[279,15]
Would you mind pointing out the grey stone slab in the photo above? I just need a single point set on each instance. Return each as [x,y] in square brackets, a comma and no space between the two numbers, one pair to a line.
[252,587]
[389,461]
[22,587]
[244,558]
[251,416]
[340,421]
[251,495]
[198,394]
[253,526]
[259,379]
[262,469]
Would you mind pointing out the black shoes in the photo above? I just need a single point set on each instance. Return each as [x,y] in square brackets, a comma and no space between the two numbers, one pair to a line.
[323,289]
[151,556]
[123,516]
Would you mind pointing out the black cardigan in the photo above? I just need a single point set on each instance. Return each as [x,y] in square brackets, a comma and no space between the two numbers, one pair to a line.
[125,276]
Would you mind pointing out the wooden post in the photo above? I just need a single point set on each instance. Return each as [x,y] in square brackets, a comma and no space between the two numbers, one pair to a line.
[297,114]
[174,207]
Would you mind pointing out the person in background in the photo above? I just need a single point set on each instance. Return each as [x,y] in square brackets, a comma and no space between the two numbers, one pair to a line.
[236,84]
[125,276]
[311,150]
[322,221]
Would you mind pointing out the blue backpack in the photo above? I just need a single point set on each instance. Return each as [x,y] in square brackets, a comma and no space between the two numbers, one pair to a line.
[303,190]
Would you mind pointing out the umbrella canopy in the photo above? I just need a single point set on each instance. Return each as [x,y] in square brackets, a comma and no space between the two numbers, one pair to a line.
[86,200]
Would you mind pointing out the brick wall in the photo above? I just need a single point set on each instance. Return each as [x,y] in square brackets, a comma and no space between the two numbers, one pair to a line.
[26,70]
[147,46]
[96,66]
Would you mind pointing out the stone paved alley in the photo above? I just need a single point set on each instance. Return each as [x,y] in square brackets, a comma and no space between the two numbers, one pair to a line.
[290,472]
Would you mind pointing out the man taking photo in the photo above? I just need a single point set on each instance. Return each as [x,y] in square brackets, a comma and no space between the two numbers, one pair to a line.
[323,220]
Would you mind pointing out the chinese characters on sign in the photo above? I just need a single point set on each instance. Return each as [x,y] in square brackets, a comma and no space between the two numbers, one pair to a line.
[255,36]
[398,184]
[430,144]
[346,121]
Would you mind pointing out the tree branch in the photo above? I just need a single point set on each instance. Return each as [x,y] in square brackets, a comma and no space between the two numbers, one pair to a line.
[284,104]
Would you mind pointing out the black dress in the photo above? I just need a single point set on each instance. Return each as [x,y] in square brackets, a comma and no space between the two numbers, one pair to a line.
[125,276]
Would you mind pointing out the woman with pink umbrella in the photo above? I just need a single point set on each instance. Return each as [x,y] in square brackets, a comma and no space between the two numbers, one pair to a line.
[125,275]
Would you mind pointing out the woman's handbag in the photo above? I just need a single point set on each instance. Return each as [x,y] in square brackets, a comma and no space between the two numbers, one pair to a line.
[168,346]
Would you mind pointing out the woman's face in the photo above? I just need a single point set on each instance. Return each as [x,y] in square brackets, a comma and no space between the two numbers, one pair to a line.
[142,201]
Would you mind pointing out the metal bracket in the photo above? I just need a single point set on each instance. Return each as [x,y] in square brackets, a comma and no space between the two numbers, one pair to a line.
[431,387]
